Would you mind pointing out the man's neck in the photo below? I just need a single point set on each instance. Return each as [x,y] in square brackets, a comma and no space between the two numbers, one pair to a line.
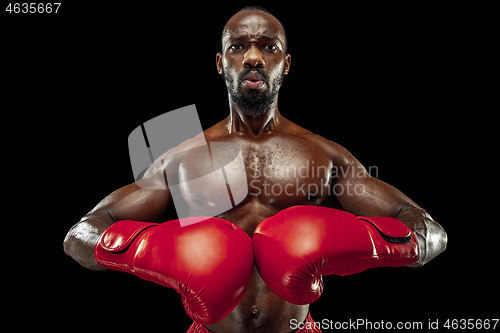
[238,121]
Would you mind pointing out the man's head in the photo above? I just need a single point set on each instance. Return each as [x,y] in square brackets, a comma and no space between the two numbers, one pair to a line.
[253,60]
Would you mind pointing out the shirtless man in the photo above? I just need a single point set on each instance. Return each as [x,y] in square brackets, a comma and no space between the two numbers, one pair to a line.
[253,63]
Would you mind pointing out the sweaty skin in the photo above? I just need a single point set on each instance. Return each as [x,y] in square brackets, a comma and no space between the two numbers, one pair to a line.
[268,143]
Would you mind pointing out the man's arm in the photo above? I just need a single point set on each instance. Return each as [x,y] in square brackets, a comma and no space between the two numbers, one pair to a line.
[144,200]
[368,196]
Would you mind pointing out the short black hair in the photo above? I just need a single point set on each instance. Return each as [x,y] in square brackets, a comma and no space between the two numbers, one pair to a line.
[256,8]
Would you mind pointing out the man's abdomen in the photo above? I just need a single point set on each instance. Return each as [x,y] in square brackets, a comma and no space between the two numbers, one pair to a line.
[261,310]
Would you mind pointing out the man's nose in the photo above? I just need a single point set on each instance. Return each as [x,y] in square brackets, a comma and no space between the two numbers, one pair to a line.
[253,58]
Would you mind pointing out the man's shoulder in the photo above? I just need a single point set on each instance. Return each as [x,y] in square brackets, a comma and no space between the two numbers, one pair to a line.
[217,130]
[337,153]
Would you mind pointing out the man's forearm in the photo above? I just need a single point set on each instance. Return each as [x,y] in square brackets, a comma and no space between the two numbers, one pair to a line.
[82,237]
[431,237]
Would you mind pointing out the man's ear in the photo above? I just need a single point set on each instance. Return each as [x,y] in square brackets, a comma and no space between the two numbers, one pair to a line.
[288,62]
[218,62]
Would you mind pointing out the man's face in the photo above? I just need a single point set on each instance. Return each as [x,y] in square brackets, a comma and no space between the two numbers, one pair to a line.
[253,60]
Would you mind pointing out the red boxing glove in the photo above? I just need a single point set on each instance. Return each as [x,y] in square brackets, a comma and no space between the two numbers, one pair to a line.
[296,247]
[209,263]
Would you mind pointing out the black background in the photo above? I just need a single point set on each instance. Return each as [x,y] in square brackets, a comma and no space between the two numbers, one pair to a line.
[402,88]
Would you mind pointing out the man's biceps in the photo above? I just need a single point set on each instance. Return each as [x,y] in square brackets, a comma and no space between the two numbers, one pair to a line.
[364,196]
[141,205]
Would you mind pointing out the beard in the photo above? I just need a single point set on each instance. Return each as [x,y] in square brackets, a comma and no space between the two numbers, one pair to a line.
[256,102]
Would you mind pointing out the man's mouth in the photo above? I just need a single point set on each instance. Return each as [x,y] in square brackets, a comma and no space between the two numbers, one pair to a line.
[253,84]
[253,80]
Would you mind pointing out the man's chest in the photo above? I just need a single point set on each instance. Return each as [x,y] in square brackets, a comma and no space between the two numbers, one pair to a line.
[280,171]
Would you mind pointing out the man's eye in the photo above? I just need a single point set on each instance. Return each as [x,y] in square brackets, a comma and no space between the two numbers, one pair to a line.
[271,47]
[235,47]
